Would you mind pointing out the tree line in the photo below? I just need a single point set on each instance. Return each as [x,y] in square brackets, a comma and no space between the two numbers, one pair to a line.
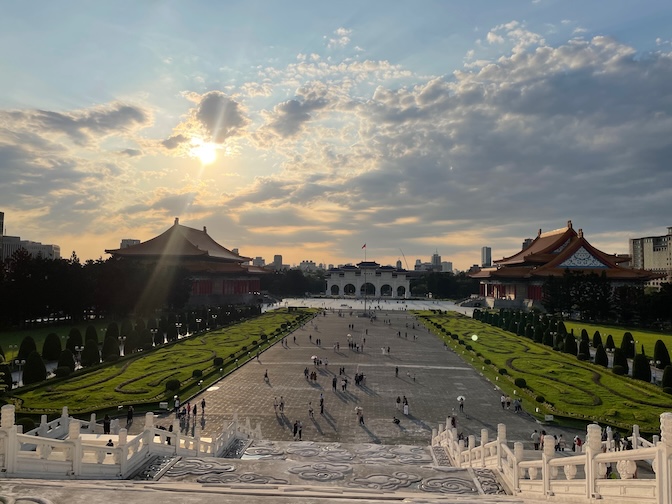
[593,297]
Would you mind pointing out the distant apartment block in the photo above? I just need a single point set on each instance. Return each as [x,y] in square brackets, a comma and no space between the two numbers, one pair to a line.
[308,266]
[486,257]
[258,261]
[10,244]
[653,253]
[447,266]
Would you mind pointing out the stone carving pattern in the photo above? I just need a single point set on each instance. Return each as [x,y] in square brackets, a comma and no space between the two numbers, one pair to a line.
[199,466]
[581,259]
[489,482]
[7,499]
[321,472]
[570,471]
[532,472]
[441,456]
[252,478]
[448,485]
[626,468]
[561,247]
[385,482]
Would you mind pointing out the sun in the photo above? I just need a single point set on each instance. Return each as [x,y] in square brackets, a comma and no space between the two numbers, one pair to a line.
[206,152]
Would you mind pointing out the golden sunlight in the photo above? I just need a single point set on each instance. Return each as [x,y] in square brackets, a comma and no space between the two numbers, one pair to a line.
[206,152]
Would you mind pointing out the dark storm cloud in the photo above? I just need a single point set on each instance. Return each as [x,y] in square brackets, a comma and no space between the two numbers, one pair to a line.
[174,141]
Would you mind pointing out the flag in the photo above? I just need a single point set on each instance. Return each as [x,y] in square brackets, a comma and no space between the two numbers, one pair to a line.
[364,246]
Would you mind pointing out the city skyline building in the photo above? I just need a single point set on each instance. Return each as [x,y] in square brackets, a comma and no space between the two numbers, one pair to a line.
[128,242]
[653,253]
[486,257]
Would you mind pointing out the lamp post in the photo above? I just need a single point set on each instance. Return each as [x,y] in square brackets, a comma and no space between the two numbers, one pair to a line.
[121,339]
[79,349]
[20,364]
[154,330]
[654,375]
[214,320]
[178,326]
[198,324]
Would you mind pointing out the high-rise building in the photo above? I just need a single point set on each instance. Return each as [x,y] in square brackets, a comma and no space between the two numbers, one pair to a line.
[486,257]
[277,262]
[653,253]
[436,261]
[447,266]
[258,261]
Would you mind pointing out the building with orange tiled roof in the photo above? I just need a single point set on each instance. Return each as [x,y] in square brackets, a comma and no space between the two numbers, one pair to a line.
[219,276]
[517,281]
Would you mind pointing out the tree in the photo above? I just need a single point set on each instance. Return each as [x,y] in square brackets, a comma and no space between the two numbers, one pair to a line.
[620,359]
[570,345]
[74,340]
[34,370]
[609,345]
[548,338]
[91,334]
[110,349]
[597,339]
[584,348]
[661,356]
[51,348]
[90,354]
[601,357]
[113,330]
[26,348]
[628,345]
[67,359]
[667,377]
[641,370]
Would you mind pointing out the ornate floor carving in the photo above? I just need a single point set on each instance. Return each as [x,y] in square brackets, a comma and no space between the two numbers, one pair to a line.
[489,482]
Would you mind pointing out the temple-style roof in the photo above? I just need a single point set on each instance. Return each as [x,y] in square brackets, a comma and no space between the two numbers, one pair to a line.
[181,242]
[554,252]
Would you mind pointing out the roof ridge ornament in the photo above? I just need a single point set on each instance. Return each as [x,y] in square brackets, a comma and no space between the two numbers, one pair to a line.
[177,220]
[580,233]
[569,224]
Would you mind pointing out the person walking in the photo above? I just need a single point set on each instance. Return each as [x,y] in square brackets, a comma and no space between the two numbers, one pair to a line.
[535,439]
[275,405]
[129,415]
[398,403]
[300,426]
[106,424]
[282,405]
[195,409]
[296,429]
[311,413]
[461,401]
[396,371]
[203,406]
[321,405]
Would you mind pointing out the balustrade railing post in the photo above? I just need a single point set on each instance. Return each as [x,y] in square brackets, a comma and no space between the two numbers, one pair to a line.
[122,444]
[546,456]
[593,447]
[470,449]
[663,478]
[635,437]
[484,441]
[519,456]
[76,447]
[460,449]
[43,425]
[501,441]
[7,424]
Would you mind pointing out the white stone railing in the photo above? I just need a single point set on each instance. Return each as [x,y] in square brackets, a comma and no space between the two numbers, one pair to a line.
[583,477]
[82,453]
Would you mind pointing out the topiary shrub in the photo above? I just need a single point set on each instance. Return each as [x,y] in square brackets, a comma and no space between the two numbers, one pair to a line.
[454,336]
[217,361]
[520,382]
[503,371]
[488,361]
[540,399]
[619,370]
[263,337]
[243,349]
[254,342]
[197,373]
[601,357]
[667,390]
[172,385]
[460,342]
[582,357]
[62,371]
[468,347]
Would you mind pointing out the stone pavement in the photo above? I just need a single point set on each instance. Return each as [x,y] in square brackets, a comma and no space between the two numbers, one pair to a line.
[429,375]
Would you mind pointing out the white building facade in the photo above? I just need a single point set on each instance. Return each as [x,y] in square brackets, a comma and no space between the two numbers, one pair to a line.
[653,253]
[368,279]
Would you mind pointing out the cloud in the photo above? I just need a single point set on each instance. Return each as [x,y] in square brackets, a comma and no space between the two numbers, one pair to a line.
[221,116]
[174,141]
[132,152]
[341,38]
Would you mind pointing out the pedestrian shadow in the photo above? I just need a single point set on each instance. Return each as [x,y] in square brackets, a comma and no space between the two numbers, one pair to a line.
[315,385]
[419,422]
[330,420]
[283,421]
[368,391]
[374,439]
[317,426]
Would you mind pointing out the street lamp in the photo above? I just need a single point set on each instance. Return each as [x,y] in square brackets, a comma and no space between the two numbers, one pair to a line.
[79,349]
[121,339]
[154,330]
[20,364]
[178,326]
[214,320]
[198,324]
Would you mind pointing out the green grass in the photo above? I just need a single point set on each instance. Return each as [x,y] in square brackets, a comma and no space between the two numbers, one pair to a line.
[572,389]
[646,338]
[141,378]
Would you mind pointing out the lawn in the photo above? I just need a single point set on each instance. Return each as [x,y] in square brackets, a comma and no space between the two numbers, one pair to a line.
[570,388]
[141,378]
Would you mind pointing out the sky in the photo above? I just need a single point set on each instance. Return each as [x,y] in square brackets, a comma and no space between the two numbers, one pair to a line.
[309,129]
